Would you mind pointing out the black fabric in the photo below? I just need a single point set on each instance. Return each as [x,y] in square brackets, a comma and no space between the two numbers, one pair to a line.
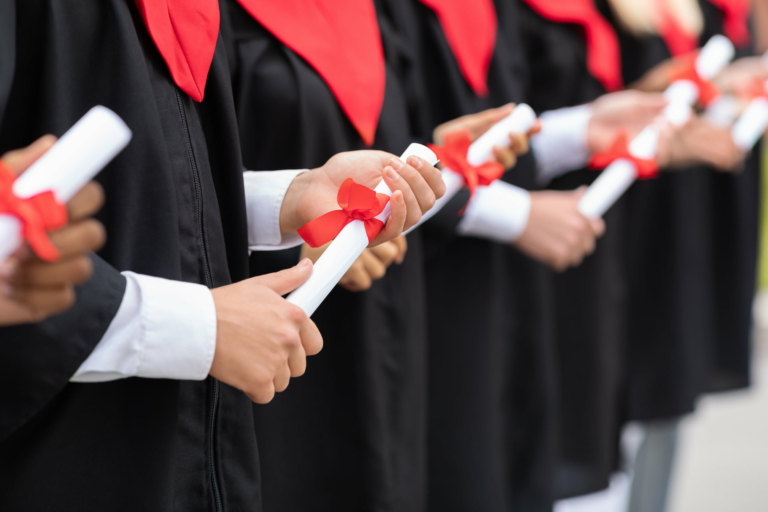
[691,257]
[7,50]
[590,300]
[485,450]
[736,231]
[175,209]
[350,434]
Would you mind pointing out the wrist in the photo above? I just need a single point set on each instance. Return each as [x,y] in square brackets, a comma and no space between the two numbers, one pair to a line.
[291,215]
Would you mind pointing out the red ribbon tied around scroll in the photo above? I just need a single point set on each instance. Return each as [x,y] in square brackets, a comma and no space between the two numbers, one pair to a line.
[646,168]
[453,154]
[685,69]
[38,215]
[357,202]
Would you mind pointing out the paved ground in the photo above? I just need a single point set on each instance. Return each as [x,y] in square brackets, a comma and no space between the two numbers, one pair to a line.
[723,465]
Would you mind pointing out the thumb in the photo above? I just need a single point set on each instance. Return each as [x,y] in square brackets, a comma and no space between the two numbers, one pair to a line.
[287,280]
[579,192]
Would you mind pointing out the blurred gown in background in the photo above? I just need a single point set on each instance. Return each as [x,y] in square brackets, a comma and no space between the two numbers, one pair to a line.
[590,299]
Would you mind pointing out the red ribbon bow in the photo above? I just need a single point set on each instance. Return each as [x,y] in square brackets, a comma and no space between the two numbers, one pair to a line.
[685,69]
[453,154]
[357,203]
[646,168]
[38,215]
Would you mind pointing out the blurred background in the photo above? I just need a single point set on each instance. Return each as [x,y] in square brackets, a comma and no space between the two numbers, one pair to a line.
[723,463]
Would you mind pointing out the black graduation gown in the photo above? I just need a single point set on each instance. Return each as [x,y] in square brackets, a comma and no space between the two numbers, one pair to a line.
[175,209]
[488,412]
[735,237]
[673,279]
[590,299]
[350,434]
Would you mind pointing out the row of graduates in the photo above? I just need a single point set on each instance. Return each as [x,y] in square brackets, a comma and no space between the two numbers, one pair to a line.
[469,376]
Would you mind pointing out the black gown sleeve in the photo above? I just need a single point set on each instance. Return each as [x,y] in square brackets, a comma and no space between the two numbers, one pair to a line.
[37,361]
[7,50]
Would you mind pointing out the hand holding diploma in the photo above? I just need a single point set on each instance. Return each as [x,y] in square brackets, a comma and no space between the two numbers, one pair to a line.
[32,289]
[635,159]
[414,183]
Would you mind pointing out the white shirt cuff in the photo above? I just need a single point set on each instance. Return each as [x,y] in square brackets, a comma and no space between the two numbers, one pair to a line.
[163,330]
[561,145]
[498,212]
[264,194]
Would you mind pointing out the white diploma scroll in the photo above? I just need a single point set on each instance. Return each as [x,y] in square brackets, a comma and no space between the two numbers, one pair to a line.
[520,120]
[681,96]
[751,125]
[345,248]
[619,176]
[73,161]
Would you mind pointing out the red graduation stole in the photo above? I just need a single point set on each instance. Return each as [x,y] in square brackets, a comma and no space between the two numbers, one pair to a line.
[603,52]
[185,33]
[736,19]
[678,41]
[340,39]
[470,28]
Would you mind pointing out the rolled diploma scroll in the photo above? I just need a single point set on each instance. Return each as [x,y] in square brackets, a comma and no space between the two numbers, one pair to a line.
[68,166]
[619,176]
[681,96]
[346,248]
[751,125]
[520,120]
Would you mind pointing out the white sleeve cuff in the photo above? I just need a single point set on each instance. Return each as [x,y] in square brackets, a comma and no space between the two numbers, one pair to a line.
[498,212]
[264,194]
[163,329]
[561,145]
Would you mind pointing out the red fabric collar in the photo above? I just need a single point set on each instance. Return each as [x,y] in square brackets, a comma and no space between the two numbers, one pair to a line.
[340,39]
[736,20]
[470,28]
[185,32]
[37,214]
[678,41]
[603,53]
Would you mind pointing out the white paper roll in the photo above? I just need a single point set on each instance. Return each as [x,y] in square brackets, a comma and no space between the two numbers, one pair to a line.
[723,110]
[78,156]
[520,120]
[682,94]
[607,188]
[345,249]
[619,176]
[714,56]
[751,125]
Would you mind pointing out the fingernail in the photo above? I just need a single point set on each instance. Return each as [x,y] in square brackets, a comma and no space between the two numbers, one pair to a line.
[400,199]
[415,162]
[304,263]
[391,174]
[396,163]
